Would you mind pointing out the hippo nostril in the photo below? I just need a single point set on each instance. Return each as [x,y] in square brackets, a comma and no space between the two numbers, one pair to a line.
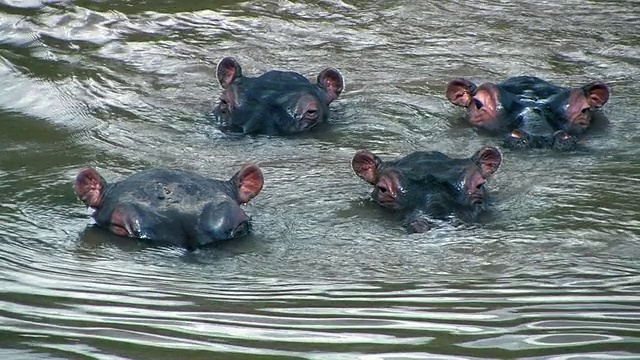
[382,189]
[242,229]
[223,220]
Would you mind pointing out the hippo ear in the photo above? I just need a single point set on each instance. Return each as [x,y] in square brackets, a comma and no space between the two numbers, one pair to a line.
[489,160]
[365,164]
[597,94]
[332,81]
[89,186]
[228,70]
[460,91]
[249,182]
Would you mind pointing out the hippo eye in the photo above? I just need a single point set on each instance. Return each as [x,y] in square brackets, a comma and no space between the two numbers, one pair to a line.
[478,103]
[516,134]
[224,105]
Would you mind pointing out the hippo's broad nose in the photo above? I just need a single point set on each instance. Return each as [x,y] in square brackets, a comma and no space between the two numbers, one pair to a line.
[224,221]
[242,227]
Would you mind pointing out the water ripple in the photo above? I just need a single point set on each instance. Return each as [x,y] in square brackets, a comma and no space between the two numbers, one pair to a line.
[551,274]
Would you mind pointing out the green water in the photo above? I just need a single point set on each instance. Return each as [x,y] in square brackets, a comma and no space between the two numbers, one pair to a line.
[126,85]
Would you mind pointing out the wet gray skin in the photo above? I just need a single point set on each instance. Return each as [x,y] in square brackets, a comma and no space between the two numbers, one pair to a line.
[527,112]
[326,273]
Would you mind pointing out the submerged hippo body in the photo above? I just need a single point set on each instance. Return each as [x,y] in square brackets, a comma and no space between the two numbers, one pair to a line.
[529,112]
[428,185]
[275,103]
[171,206]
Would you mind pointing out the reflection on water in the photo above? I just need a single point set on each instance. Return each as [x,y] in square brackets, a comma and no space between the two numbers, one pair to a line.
[125,85]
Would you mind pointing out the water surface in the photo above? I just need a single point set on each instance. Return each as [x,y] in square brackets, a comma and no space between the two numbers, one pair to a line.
[125,85]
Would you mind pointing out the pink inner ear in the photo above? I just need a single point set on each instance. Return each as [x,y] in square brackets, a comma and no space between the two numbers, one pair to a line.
[88,187]
[597,94]
[249,181]
[228,69]
[490,160]
[365,164]
[459,92]
[332,81]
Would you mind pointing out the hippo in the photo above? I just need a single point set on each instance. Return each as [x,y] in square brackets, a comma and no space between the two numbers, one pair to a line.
[168,206]
[528,112]
[427,185]
[274,103]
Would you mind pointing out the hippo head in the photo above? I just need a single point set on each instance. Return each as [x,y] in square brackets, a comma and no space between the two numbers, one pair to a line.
[275,103]
[429,182]
[171,206]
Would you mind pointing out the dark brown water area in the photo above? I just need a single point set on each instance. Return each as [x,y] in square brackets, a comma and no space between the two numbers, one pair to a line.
[127,85]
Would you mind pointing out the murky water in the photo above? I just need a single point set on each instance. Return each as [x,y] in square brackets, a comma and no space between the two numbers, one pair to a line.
[126,85]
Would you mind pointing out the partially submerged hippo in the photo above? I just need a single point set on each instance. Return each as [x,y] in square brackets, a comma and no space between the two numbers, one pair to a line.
[529,112]
[428,185]
[274,103]
[171,206]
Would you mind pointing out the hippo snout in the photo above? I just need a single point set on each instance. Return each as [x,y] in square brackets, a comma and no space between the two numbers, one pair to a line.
[223,221]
